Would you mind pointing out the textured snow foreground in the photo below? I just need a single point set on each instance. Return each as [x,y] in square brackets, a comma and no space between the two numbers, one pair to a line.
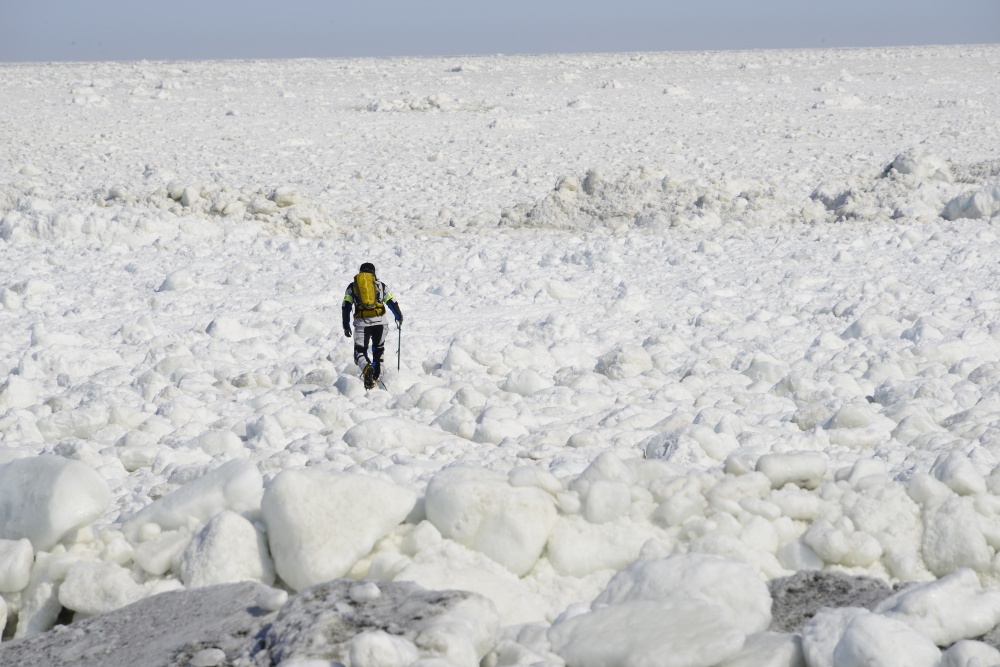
[678,325]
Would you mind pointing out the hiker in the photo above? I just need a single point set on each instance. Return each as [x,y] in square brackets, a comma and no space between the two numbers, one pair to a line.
[369,297]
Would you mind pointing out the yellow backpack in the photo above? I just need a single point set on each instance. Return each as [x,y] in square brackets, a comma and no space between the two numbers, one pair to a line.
[368,299]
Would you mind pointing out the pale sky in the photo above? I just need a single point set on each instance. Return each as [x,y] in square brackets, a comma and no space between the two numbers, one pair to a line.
[44,30]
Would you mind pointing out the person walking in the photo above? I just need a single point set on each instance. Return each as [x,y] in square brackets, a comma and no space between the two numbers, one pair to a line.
[368,297]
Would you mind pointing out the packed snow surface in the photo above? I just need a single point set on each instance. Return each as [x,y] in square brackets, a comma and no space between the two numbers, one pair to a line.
[676,325]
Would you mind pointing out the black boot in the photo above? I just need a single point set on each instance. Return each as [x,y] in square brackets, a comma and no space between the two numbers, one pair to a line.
[369,376]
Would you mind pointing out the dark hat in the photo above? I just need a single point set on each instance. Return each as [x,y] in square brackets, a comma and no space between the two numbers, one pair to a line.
[367,267]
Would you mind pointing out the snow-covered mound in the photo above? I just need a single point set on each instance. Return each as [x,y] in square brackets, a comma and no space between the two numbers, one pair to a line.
[914,186]
[433,102]
[145,211]
[677,325]
[918,186]
[642,199]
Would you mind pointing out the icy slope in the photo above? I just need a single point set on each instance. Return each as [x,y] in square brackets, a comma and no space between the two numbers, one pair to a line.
[660,308]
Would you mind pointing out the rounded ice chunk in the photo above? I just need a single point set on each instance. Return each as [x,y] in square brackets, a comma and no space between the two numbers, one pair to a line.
[236,485]
[525,381]
[983,203]
[16,559]
[228,549]
[17,392]
[681,632]
[765,368]
[481,510]
[365,592]
[803,469]
[840,544]
[823,631]
[732,585]
[957,471]
[377,648]
[624,362]
[963,653]
[287,195]
[82,422]
[43,498]
[952,608]
[229,328]
[208,657]
[953,538]
[157,553]
[578,548]
[871,639]
[874,325]
[607,466]
[923,165]
[178,281]
[605,501]
[768,649]
[691,445]
[94,587]
[450,569]
[320,523]
[383,433]
[495,431]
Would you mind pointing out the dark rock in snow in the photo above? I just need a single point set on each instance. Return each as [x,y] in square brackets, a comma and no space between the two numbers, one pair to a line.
[320,622]
[992,638]
[161,630]
[252,625]
[797,598]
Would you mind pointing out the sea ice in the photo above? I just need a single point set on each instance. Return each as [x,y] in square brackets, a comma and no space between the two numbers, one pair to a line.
[320,523]
[45,497]
[228,549]
[481,510]
[16,559]
[235,485]
[754,317]
[945,611]
[677,632]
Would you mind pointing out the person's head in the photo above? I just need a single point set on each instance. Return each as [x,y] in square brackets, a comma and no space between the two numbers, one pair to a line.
[367,267]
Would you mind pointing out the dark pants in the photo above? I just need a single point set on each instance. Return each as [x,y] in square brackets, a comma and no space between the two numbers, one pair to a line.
[365,335]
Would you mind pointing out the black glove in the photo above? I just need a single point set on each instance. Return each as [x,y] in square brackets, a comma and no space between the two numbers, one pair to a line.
[399,321]
[347,332]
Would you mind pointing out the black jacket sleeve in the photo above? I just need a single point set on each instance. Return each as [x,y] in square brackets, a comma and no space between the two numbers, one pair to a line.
[394,307]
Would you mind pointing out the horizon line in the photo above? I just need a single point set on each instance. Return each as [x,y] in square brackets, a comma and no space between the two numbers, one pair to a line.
[526,54]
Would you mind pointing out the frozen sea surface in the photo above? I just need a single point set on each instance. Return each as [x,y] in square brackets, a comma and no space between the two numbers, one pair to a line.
[671,319]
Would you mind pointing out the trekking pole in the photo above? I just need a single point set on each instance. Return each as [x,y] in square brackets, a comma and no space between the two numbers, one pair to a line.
[399,341]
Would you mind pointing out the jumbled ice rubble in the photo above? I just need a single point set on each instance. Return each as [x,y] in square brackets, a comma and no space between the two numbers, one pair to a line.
[626,560]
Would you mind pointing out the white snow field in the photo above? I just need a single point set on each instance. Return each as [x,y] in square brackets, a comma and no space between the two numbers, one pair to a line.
[675,325]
